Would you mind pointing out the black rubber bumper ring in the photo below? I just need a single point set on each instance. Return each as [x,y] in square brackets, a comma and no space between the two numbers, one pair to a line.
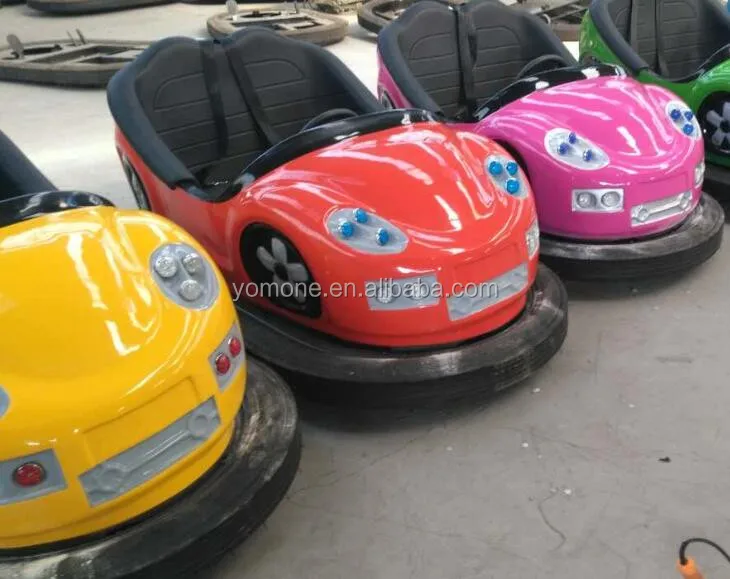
[89,6]
[688,245]
[331,370]
[194,529]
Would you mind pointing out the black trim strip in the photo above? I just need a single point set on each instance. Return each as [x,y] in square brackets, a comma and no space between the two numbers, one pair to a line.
[26,207]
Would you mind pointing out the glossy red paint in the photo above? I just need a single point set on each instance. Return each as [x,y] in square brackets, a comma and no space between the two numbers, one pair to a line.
[426,179]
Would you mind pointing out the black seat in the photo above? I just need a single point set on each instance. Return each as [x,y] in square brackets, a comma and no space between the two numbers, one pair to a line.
[672,38]
[18,175]
[25,192]
[198,112]
[447,58]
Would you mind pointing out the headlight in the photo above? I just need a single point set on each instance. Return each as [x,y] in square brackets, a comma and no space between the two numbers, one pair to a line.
[569,148]
[184,276]
[699,173]
[366,232]
[532,239]
[683,119]
[403,294]
[598,200]
[505,173]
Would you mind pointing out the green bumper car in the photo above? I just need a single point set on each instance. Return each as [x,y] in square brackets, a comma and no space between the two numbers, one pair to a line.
[682,45]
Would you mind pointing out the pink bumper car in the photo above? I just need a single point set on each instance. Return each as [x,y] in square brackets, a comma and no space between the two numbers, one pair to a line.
[616,166]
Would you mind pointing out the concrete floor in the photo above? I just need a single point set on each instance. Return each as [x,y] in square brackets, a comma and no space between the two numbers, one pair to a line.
[558,478]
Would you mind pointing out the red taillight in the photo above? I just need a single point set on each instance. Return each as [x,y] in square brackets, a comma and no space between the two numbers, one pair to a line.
[29,474]
[234,346]
[222,364]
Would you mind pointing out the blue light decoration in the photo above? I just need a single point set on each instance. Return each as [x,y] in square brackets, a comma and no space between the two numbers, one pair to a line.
[512,186]
[347,229]
[588,155]
[688,129]
[382,236]
[688,115]
[495,168]
[512,168]
[572,138]
[361,215]
[676,114]
[563,148]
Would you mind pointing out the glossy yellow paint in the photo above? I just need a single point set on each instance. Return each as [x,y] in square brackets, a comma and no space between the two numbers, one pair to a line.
[95,359]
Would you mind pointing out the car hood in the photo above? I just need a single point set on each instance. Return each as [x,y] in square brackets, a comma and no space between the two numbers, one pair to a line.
[428,179]
[623,117]
[81,302]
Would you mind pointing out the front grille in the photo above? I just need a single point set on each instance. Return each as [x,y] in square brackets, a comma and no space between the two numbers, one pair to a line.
[478,297]
[654,211]
[137,465]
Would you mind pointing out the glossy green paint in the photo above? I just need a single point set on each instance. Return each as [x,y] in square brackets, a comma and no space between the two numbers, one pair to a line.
[693,93]
[591,44]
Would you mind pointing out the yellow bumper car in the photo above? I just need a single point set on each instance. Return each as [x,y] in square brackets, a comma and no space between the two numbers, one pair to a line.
[125,446]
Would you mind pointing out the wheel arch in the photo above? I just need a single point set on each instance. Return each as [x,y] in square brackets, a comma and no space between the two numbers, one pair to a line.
[710,102]
[255,234]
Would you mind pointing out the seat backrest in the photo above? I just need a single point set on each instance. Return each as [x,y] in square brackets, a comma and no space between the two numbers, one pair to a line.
[644,40]
[172,92]
[425,35]
[620,13]
[507,39]
[294,81]
[679,30]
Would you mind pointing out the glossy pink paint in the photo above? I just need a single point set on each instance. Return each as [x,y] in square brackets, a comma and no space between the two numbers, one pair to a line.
[649,158]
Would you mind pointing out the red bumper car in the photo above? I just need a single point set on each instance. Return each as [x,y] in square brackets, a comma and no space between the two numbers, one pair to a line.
[370,251]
